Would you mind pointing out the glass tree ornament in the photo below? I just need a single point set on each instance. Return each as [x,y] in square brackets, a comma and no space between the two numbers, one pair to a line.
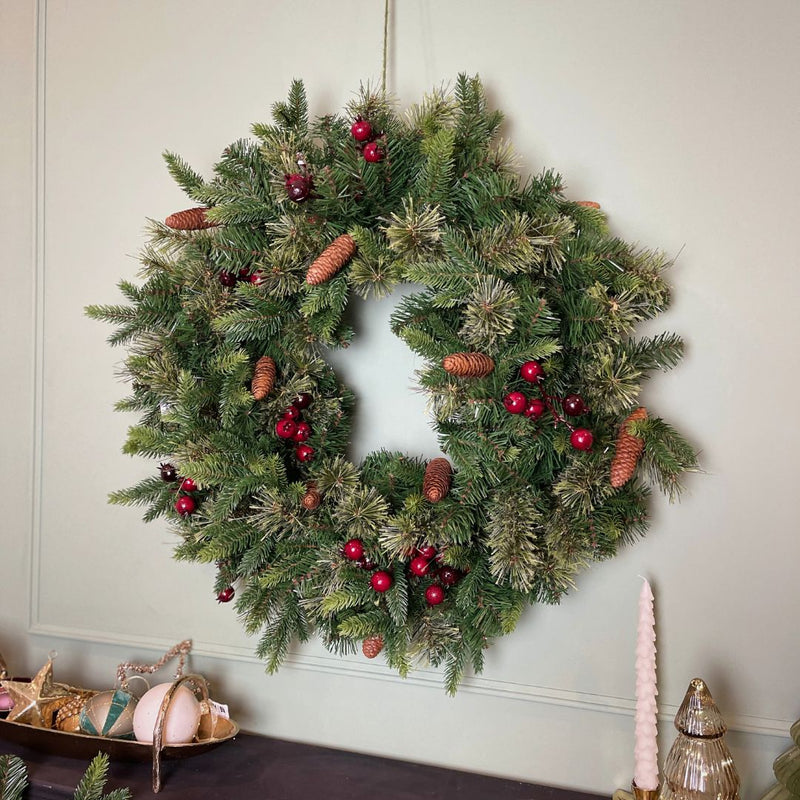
[699,765]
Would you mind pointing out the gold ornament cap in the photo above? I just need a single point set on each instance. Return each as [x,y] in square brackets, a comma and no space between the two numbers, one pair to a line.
[644,794]
[698,714]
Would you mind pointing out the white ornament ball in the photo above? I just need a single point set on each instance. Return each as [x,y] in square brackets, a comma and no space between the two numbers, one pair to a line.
[183,715]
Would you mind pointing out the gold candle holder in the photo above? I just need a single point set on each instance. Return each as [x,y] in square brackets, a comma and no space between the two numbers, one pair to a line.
[637,794]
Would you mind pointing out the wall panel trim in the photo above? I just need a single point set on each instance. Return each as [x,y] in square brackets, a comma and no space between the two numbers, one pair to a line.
[428,678]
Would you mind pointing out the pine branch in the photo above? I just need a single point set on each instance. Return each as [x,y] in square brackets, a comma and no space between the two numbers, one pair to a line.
[293,114]
[190,181]
[94,780]
[13,777]
[514,531]
[666,456]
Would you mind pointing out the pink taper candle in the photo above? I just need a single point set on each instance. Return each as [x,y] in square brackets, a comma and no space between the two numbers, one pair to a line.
[645,769]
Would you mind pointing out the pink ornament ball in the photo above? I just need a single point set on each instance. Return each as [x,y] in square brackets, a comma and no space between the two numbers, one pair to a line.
[182,720]
[6,703]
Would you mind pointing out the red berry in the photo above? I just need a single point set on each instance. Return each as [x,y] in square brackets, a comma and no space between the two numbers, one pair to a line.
[361,130]
[427,551]
[298,187]
[292,413]
[302,400]
[226,595]
[185,505]
[515,402]
[302,433]
[381,581]
[373,153]
[434,595]
[227,278]
[581,439]
[304,452]
[244,274]
[535,408]
[353,549]
[188,485]
[285,428]
[419,566]
[449,576]
[257,278]
[168,473]
[573,405]
[531,371]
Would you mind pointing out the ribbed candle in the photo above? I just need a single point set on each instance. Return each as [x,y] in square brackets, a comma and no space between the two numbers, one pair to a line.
[645,770]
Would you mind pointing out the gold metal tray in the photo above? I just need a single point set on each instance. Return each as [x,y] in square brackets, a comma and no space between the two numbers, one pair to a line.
[214,730]
[81,745]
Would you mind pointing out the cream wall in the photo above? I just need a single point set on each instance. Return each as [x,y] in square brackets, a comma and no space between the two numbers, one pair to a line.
[679,117]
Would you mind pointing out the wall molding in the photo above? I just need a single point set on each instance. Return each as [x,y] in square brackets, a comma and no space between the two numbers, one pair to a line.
[39,141]
[427,678]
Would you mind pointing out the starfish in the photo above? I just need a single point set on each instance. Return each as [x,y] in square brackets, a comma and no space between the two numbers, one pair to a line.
[31,700]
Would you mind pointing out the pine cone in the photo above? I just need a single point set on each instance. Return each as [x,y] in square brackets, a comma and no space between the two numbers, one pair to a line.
[193,219]
[437,480]
[68,716]
[372,645]
[312,498]
[629,448]
[263,378]
[331,260]
[468,365]
[588,204]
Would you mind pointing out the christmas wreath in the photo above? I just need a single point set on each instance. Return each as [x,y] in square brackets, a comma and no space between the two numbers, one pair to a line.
[524,318]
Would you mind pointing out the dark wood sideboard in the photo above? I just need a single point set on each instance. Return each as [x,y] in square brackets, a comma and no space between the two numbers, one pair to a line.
[261,768]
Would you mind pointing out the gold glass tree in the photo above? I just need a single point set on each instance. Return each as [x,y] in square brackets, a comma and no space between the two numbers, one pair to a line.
[787,771]
[699,765]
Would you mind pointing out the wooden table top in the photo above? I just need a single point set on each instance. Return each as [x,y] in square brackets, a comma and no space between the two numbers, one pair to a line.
[252,766]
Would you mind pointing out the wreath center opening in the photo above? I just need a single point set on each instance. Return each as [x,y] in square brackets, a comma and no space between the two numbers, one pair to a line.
[391,412]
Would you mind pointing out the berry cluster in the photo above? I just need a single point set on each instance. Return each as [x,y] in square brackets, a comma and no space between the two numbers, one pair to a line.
[186,503]
[362,132]
[230,279]
[291,427]
[422,565]
[572,405]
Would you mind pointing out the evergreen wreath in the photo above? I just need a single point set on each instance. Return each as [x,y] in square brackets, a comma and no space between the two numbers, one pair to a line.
[525,320]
